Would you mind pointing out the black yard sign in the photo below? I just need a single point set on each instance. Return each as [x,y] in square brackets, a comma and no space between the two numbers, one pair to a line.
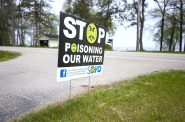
[81,48]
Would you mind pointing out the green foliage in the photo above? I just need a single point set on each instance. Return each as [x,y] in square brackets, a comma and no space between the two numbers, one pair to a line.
[82,9]
[21,17]
[171,30]
[5,37]
[101,12]
[5,55]
[6,7]
[170,33]
[51,24]
[39,15]
[150,98]
[68,6]
[108,47]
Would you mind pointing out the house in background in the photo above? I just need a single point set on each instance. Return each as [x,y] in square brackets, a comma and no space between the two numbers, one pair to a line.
[48,40]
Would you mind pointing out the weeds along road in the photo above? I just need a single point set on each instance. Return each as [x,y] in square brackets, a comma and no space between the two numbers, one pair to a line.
[29,81]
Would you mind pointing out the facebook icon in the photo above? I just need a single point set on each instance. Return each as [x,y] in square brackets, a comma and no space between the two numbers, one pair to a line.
[63,73]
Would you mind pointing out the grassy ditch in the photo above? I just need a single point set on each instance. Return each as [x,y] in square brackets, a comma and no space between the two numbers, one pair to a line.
[156,97]
[6,55]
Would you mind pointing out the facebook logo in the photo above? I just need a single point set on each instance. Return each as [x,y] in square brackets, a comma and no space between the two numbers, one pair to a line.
[63,73]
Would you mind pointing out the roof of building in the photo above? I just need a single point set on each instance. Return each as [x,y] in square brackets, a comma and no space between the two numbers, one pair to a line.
[53,36]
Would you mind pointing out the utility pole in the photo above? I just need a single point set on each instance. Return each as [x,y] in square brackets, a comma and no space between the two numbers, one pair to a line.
[138,25]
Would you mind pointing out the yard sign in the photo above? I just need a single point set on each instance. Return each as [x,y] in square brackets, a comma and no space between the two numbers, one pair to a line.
[81,48]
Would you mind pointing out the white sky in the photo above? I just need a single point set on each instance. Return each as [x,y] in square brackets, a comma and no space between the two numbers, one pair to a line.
[124,38]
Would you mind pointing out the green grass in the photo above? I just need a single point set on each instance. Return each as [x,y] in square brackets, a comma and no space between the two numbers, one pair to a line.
[6,55]
[159,97]
[158,52]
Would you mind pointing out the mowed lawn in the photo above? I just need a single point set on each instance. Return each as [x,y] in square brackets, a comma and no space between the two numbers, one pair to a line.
[151,98]
[6,55]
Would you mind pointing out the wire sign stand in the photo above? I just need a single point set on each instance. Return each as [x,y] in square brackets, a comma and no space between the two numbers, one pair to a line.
[70,96]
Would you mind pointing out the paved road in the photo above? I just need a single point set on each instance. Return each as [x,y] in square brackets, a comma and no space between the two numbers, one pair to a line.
[29,81]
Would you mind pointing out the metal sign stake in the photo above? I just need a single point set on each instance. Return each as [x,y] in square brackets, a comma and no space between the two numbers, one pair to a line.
[88,97]
[70,91]
[69,102]
[89,84]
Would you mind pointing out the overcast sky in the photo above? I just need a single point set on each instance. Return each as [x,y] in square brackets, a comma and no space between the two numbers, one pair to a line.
[124,38]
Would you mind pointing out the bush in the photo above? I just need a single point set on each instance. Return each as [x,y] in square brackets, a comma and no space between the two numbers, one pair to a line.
[108,47]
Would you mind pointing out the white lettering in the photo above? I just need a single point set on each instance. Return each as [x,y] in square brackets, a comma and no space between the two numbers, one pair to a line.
[82,25]
[69,22]
[85,49]
[71,58]
[66,58]
[91,58]
[67,46]
[101,34]
[78,59]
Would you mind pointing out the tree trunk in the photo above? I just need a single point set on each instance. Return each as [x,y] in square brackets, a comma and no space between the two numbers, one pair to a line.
[142,25]
[22,37]
[13,31]
[171,39]
[174,46]
[138,27]
[162,32]
[181,25]
[184,44]
[107,15]
[18,36]
[163,12]
[31,37]
[1,24]
[141,36]
[36,15]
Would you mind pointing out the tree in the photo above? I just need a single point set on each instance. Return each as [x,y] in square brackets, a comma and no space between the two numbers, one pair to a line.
[179,6]
[104,14]
[82,9]
[140,10]
[22,24]
[163,12]
[79,8]
[142,20]
[174,16]
[39,17]
[13,9]
[67,7]
[181,24]
[173,29]
[136,16]
[138,39]
[22,17]
[7,17]
[101,12]
[51,24]
[170,33]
